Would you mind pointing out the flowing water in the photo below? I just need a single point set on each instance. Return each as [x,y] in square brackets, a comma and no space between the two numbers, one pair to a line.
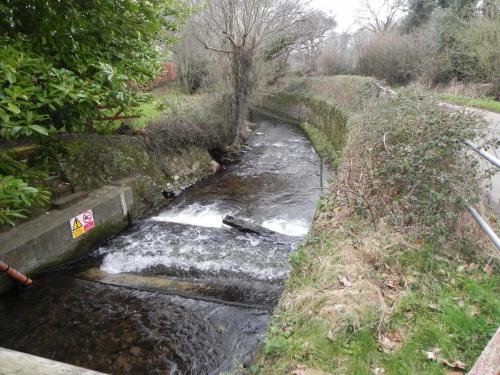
[179,293]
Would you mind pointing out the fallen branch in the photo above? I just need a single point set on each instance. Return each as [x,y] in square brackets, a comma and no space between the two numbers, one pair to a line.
[246,226]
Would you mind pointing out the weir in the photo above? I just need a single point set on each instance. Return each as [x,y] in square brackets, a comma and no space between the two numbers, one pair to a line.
[180,293]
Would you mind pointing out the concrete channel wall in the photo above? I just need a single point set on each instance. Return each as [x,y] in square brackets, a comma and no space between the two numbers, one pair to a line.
[47,241]
[17,363]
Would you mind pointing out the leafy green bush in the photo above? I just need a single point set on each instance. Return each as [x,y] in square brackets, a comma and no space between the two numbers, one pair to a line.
[409,164]
[16,197]
[469,49]
[60,60]
[36,97]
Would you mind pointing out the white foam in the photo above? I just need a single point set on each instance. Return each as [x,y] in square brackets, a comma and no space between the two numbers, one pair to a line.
[137,257]
[204,216]
[289,227]
[116,263]
[255,242]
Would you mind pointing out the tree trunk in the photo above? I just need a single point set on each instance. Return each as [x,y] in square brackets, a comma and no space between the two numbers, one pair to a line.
[242,72]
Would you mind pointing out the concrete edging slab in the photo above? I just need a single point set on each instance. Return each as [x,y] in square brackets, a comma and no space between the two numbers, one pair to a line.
[47,241]
[17,363]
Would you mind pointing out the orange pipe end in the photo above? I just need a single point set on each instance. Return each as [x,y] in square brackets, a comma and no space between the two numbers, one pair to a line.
[15,274]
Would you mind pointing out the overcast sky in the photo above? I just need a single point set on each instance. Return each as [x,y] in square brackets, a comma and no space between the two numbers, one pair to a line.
[345,11]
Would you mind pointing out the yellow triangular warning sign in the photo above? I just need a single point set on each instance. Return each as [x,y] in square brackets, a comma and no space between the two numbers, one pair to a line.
[76,225]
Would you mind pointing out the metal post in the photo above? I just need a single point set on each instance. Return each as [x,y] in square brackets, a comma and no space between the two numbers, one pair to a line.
[484,225]
[493,160]
[321,173]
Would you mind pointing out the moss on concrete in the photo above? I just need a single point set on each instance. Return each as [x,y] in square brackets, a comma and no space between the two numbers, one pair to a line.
[326,117]
[96,160]
[321,143]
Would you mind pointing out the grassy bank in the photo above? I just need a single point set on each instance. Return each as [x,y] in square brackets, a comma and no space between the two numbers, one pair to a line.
[163,100]
[488,104]
[364,301]
[394,278]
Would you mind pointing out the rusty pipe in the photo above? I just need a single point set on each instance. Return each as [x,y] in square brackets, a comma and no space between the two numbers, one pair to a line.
[15,274]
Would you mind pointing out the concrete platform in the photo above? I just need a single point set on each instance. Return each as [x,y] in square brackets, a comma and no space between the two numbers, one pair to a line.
[17,363]
[493,193]
[47,241]
[489,361]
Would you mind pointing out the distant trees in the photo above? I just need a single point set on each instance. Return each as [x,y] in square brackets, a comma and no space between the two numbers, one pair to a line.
[470,48]
[312,33]
[381,18]
[336,55]
[420,12]
[433,41]
[192,60]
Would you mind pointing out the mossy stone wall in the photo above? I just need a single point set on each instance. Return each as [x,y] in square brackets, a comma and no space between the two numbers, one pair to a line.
[327,118]
[95,160]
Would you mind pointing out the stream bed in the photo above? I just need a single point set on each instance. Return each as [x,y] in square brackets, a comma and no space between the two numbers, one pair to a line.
[179,293]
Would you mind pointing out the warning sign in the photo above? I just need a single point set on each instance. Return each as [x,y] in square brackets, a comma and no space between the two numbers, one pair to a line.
[82,223]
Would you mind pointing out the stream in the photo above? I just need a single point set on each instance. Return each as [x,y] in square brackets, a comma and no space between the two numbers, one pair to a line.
[179,293]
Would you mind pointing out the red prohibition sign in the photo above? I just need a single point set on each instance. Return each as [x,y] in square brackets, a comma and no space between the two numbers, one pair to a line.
[87,217]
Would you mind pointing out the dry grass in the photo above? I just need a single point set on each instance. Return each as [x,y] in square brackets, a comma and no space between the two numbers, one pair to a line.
[201,121]
[348,92]
[463,89]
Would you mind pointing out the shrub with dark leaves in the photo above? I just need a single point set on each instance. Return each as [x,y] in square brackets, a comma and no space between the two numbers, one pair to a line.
[408,163]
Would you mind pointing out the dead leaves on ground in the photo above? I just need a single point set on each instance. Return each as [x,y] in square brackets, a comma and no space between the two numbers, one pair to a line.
[390,342]
[458,365]
[435,355]
[487,269]
[302,370]
[344,281]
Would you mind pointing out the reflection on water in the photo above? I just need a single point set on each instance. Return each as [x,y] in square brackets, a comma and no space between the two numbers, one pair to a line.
[179,293]
[126,331]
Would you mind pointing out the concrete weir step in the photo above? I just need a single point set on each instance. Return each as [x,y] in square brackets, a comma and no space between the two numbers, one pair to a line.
[250,294]
[17,363]
[68,200]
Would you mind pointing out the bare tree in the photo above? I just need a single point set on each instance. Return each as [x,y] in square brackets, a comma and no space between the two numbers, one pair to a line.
[315,27]
[246,31]
[336,55]
[381,17]
[192,60]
